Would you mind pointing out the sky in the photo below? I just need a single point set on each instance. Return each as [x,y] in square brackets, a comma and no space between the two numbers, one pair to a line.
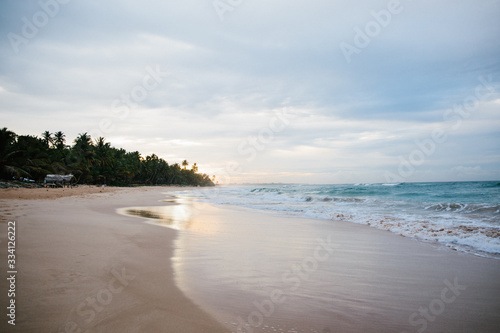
[265,91]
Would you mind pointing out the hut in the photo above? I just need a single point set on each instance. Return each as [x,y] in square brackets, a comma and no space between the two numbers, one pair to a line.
[58,180]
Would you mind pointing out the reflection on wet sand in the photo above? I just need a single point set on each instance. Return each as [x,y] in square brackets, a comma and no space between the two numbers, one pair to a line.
[232,262]
[178,214]
[173,215]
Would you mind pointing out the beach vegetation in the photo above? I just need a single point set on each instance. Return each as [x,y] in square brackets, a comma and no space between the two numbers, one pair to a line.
[90,161]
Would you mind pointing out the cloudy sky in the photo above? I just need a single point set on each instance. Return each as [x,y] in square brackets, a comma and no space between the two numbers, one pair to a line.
[265,91]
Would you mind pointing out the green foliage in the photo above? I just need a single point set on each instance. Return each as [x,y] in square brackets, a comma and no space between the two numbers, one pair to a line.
[92,162]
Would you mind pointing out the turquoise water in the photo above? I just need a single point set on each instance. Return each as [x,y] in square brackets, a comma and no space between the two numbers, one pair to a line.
[462,215]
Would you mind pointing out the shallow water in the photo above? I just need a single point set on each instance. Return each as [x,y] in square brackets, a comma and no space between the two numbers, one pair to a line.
[461,215]
[260,273]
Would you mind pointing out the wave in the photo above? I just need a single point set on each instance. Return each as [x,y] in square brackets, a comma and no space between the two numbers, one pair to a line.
[266,189]
[333,199]
[460,215]
[465,237]
[464,208]
[491,185]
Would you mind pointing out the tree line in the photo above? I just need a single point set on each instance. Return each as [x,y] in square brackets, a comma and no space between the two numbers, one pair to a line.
[90,161]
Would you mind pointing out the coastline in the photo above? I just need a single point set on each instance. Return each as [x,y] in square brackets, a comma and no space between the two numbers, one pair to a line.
[81,267]
[259,272]
[270,273]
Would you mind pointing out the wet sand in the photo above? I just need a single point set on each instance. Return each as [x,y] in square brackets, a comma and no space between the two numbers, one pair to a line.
[83,268]
[260,273]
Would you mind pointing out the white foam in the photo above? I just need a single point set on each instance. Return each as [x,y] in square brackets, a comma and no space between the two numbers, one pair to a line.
[456,225]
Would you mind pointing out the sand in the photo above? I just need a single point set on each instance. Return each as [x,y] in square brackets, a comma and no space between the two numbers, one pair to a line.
[83,268]
[268,273]
[55,193]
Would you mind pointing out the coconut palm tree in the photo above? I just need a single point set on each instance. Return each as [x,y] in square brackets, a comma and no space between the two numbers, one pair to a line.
[91,162]
[7,138]
[102,170]
[59,140]
[81,157]
[47,138]
[7,154]
[174,174]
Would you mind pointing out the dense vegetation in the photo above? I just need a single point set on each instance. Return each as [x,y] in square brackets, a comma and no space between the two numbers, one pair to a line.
[91,162]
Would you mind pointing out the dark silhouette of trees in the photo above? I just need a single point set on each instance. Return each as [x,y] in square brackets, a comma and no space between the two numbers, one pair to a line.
[92,162]
[59,140]
[7,154]
[47,138]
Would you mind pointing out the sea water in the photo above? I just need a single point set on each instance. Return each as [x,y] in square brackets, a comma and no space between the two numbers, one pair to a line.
[462,215]
[230,258]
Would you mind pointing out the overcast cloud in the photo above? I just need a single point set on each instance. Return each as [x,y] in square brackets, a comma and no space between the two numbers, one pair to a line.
[265,91]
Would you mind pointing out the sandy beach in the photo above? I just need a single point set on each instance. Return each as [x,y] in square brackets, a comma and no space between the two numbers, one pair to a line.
[257,272]
[54,193]
[82,267]
[250,166]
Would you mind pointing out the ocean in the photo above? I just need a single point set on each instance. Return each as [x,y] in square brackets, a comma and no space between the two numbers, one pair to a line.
[298,258]
[464,216]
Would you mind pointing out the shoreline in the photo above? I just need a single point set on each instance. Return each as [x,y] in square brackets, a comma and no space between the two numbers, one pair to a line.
[257,272]
[43,193]
[83,267]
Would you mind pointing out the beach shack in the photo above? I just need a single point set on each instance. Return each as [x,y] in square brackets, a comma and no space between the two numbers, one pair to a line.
[58,180]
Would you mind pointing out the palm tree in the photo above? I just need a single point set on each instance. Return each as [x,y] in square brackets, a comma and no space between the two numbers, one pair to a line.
[102,151]
[92,162]
[7,152]
[83,143]
[47,138]
[103,161]
[82,157]
[151,168]
[175,174]
[32,156]
[7,138]
[59,140]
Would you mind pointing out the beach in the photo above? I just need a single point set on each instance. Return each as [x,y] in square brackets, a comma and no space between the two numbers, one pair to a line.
[84,265]
[83,268]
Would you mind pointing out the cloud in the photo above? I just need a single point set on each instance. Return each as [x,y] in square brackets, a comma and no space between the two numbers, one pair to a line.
[227,78]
